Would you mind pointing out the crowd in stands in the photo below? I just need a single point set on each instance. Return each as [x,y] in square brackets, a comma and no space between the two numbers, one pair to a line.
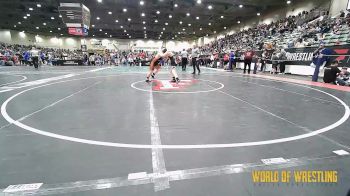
[119,58]
[305,29]
[259,44]
[12,54]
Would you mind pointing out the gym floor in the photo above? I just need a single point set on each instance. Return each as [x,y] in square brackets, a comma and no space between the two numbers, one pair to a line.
[104,131]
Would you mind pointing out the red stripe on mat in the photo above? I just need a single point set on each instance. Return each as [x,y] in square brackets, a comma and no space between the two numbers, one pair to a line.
[310,83]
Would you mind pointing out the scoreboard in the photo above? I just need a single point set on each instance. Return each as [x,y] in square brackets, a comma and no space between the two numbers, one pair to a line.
[76,16]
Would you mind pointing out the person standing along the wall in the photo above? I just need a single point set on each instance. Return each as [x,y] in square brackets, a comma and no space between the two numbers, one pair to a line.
[248,57]
[282,58]
[320,59]
[232,63]
[26,57]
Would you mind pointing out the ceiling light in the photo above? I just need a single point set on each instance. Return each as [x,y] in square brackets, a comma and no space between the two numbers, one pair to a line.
[289,2]
[28,14]
[44,24]
[158,12]
[221,16]
[93,35]
[110,36]
[100,1]
[144,28]
[199,1]
[161,32]
[183,29]
[121,27]
[142,3]
[144,22]
[175,5]
[31,9]
[130,36]
[179,33]
[209,24]
[214,31]
[52,18]
[38,5]
[25,17]
[124,31]
[50,31]
[200,29]
[188,14]
[210,7]
[98,18]
[189,25]
[60,16]
[19,23]
[109,13]
[156,21]
[238,22]
[180,22]
[240,6]
[117,21]
[125,10]
[59,29]
[194,32]
[37,27]
[258,14]
[163,29]
[100,30]
[166,24]
[106,33]
[127,34]
[197,17]
[61,34]
[225,27]
[170,16]
[14,26]
[142,14]
[129,19]
[93,25]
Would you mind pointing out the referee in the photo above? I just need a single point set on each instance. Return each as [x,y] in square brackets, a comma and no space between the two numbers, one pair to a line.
[35,57]
[184,59]
[195,61]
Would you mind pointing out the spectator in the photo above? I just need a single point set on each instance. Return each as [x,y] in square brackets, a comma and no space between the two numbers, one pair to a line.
[343,78]
[331,73]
